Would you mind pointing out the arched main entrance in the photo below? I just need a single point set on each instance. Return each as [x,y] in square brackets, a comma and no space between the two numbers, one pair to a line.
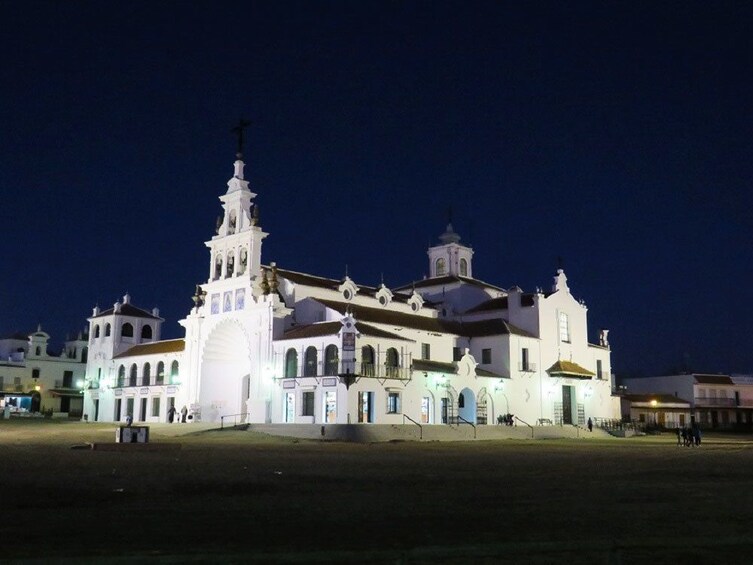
[224,372]
[467,405]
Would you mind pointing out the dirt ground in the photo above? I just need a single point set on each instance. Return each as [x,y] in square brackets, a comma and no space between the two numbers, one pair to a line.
[236,496]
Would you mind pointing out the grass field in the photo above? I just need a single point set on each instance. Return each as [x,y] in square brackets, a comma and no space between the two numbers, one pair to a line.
[236,496]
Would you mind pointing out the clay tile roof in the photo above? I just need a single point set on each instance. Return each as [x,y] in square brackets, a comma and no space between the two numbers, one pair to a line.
[438,281]
[167,346]
[660,398]
[434,366]
[713,379]
[383,316]
[128,310]
[322,329]
[569,369]
[312,330]
[501,303]
[442,367]
[495,326]
[403,319]
[332,284]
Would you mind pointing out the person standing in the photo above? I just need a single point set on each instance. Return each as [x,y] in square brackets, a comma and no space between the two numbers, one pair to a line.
[590,424]
[183,414]
[679,437]
[171,414]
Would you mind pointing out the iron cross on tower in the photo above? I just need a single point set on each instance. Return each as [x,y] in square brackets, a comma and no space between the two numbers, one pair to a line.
[238,130]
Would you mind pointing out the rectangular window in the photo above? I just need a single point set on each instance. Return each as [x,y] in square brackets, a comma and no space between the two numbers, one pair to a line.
[35,373]
[393,403]
[564,328]
[155,407]
[330,407]
[456,355]
[308,403]
[67,378]
[524,359]
[425,351]
[2,384]
[486,356]
[598,369]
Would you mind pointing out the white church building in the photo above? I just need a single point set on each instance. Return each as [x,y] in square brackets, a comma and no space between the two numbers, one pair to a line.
[264,344]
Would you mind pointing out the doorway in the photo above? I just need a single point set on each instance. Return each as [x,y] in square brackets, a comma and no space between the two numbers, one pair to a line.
[567,404]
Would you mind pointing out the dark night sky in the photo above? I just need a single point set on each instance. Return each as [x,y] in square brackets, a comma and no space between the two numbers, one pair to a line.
[614,135]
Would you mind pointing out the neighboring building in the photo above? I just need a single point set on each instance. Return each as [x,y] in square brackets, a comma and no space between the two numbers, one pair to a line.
[657,410]
[267,344]
[714,401]
[33,379]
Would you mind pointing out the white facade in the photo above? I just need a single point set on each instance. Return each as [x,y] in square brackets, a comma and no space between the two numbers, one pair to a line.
[32,379]
[266,344]
[715,401]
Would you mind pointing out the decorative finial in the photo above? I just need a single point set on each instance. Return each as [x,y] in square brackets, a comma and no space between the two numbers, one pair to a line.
[238,130]
[264,283]
[273,284]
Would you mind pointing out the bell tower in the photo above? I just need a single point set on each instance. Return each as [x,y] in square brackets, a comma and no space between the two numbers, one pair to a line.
[450,257]
[235,249]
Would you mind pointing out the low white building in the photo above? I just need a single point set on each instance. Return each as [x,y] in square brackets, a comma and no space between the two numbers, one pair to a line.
[267,344]
[713,401]
[35,380]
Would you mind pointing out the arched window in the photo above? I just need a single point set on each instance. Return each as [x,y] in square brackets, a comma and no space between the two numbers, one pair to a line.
[367,360]
[146,378]
[330,360]
[132,376]
[84,354]
[160,373]
[231,223]
[244,261]
[463,268]
[146,332]
[291,363]
[392,362]
[121,376]
[38,351]
[127,330]
[218,267]
[309,369]
[440,267]
[174,376]
[96,331]
[230,265]
[107,330]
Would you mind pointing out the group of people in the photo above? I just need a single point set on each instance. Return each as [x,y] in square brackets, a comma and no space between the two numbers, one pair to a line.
[506,419]
[689,436]
[172,411]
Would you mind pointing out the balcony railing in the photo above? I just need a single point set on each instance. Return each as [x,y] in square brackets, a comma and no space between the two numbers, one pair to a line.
[124,382]
[527,367]
[703,401]
[356,368]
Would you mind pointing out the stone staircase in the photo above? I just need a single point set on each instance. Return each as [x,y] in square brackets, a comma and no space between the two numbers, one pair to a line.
[367,433]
